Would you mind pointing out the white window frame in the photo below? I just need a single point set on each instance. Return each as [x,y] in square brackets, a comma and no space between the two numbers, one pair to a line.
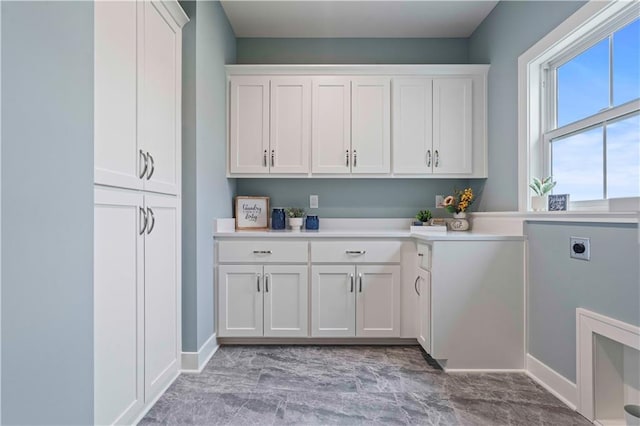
[581,30]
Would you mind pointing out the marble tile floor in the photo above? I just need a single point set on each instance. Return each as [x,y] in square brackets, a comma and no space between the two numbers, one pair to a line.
[350,385]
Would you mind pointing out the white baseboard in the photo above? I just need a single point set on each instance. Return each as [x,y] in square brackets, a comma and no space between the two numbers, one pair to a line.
[194,362]
[147,407]
[482,370]
[561,387]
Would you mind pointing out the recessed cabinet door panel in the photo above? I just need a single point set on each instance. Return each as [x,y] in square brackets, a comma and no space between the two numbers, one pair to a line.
[423,285]
[378,301]
[290,125]
[412,126]
[118,306]
[286,301]
[452,125]
[115,140]
[331,135]
[159,109]
[333,301]
[161,294]
[249,125]
[370,128]
[240,306]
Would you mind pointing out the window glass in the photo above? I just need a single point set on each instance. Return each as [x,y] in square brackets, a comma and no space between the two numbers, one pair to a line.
[577,165]
[583,84]
[623,157]
[626,63]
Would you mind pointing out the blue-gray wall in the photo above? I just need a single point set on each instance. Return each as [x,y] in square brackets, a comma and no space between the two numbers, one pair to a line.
[352,51]
[352,197]
[609,284]
[509,30]
[209,44]
[47,213]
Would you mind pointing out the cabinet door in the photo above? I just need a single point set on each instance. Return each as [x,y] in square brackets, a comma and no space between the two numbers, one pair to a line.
[115,139]
[412,126]
[423,287]
[118,276]
[240,300]
[333,301]
[331,135]
[161,293]
[159,107]
[286,301]
[378,301]
[249,125]
[290,125]
[452,140]
[370,127]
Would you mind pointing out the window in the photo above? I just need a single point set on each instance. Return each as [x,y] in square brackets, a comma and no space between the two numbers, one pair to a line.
[579,109]
[592,133]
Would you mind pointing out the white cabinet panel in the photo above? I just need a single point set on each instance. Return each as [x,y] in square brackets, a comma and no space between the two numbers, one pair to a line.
[355,251]
[452,125]
[249,125]
[118,306]
[290,125]
[159,108]
[370,127]
[240,300]
[331,134]
[412,126]
[115,128]
[263,251]
[378,301]
[161,293]
[333,301]
[423,287]
[286,301]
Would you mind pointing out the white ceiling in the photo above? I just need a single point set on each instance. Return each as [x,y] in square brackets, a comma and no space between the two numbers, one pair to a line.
[362,18]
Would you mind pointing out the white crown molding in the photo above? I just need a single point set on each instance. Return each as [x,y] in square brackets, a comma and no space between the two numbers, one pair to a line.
[176,12]
[359,69]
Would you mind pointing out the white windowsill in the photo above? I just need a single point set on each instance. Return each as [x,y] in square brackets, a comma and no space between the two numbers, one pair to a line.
[566,216]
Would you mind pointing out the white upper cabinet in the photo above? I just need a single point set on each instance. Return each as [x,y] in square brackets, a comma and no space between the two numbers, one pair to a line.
[412,126]
[115,141]
[160,118]
[452,125]
[249,125]
[331,140]
[370,126]
[290,125]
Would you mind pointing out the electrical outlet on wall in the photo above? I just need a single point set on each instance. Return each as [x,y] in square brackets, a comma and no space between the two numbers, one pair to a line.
[439,200]
[313,201]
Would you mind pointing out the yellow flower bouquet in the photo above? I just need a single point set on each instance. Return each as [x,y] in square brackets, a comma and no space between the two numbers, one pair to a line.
[460,201]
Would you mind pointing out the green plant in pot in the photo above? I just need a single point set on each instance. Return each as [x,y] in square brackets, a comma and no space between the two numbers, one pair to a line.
[541,189]
[423,217]
[295,215]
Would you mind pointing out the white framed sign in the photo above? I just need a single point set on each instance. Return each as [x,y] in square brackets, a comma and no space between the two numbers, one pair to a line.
[252,213]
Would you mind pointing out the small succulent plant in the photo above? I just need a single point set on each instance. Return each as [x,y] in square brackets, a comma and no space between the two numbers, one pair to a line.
[542,187]
[295,212]
[424,215]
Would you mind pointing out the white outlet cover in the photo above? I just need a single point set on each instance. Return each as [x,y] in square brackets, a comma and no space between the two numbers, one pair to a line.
[313,201]
[439,200]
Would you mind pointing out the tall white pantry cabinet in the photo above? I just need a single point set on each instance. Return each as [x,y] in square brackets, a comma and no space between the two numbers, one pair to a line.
[137,326]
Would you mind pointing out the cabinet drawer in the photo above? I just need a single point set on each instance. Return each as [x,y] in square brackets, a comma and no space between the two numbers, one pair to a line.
[424,256]
[355,251]
[263,251]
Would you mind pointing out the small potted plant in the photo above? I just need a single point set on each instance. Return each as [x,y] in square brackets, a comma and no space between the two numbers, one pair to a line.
[541,189]
[295,215]
[422,218]
[458,203]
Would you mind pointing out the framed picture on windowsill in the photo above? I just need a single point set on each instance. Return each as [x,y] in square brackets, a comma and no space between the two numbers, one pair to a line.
[252,213]
[558,202]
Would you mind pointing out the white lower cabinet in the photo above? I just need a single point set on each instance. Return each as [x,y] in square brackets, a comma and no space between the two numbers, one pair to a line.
[349,301]
[136,301]
[423,290]
[257,300]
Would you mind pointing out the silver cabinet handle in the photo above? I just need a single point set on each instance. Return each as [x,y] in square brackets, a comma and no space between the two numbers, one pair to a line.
[264,158]
[437,158]
[355,158]
[360,279]
[143,219]
[153,220]
[356,251]
[273,155]
[415,285]
[146,164]
[258,282]
[420,254]
[267,278]
[428,158]
[262,252]
[351,277]
[153,166]
[347,158]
